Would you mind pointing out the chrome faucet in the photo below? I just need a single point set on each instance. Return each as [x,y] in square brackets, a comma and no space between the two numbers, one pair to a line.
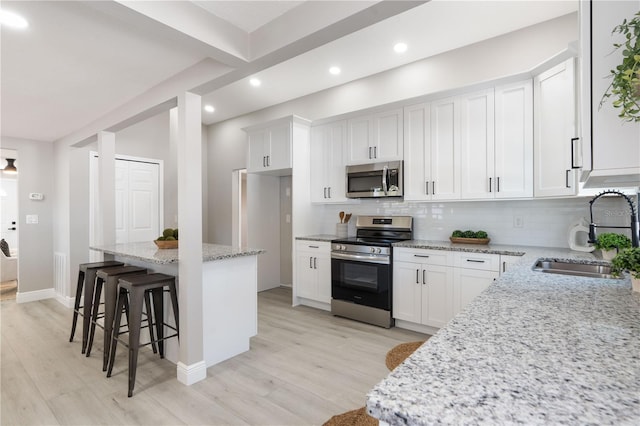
[635,226]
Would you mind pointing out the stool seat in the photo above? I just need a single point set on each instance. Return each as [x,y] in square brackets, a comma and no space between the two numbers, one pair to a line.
[134,288]
[86,280]
[108,277]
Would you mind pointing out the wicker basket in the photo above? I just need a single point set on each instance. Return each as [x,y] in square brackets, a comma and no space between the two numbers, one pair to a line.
[171,244]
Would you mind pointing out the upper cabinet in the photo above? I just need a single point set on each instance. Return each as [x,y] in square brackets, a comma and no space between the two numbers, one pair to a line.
[270,145]
[555,133]
[328,153]
[375,137]
[610,146]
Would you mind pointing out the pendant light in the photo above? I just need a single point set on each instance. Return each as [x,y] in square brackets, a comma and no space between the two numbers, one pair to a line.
[10,168]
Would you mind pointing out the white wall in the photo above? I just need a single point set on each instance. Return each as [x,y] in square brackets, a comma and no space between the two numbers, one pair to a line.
[35,240]
[501,56]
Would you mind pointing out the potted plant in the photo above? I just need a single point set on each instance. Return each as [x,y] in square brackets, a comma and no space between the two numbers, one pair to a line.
[610,243]
[625,84]
[628,260]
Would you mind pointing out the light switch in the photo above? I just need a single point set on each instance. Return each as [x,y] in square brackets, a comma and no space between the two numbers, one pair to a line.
[32,219]
[38,196]
[287,218]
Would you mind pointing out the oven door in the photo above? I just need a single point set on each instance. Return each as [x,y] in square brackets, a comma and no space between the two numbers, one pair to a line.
[361,282]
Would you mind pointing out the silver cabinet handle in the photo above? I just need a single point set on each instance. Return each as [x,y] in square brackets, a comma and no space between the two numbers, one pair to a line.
[369,153]
[475,261]
[489,184]
[573,165]
[420,255]
[315,263]
[417,276]
[433,187]
[268,160]
[264,161]
[329,191]
[314,246]
[566,177]
[375,152]
[310,262]
[498,184]
[424,280]
[426,187]
[504,266]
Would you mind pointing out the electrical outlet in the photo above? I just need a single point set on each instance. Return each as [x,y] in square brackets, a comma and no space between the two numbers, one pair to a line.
[518,221]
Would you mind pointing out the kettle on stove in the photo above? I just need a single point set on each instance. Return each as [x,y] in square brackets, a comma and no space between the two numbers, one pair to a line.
[579,236]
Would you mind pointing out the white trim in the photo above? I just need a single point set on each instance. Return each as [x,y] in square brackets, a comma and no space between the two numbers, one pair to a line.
[190,374]
[32,296]
[66,301]
[420,328]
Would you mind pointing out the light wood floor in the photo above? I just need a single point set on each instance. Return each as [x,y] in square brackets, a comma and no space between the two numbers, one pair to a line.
[303,367]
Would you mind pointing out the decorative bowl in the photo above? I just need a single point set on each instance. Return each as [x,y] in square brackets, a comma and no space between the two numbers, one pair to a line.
[172,244]
[461,240]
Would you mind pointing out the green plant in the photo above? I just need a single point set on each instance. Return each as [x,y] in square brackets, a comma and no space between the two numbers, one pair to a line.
[469,234]
[625,84]
[627,260]
[611,241]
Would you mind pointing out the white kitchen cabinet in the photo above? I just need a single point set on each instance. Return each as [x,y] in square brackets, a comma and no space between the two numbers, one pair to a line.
[375,137]
[422,287]
[610,146]
[432,151]
[473,273]
[270,146]
[555,162]
[327,162]
[313,270]
[506,261]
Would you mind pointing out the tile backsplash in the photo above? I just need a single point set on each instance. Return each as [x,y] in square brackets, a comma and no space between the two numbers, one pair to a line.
[540,222]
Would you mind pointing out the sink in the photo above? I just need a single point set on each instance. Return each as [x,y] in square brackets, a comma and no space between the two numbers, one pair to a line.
[564,267]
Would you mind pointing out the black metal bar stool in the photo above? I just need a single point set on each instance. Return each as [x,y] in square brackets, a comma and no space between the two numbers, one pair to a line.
[87,279]
[134,289]
[108,277]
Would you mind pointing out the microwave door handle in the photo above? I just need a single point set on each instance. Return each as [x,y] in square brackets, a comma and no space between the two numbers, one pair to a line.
[385,172]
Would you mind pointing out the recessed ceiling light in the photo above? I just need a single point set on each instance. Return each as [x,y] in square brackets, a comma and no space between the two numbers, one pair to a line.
[12,20]
[209,108]
[255,82]
[400,47]
[335,70]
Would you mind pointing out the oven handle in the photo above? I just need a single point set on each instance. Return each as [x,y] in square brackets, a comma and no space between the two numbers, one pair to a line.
[383,260]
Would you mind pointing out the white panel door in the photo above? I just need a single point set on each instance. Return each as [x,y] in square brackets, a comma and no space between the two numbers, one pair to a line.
[437,295]
[359,140]
[445,150]
[477,145]
[122,201]
[279,154]
[514,140]
[335,168]
[407,301]
[143,202]
[388,136]
[258,148]
[318,163]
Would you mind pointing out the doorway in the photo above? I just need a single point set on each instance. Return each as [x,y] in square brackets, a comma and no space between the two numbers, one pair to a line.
[9,227]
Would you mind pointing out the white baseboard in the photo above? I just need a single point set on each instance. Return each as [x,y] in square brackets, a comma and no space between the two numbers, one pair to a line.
[66,301]
[314,304]
[190,374]
[32,296]
[416,327]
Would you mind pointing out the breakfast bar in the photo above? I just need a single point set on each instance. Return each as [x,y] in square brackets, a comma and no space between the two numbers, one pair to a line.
[229,293]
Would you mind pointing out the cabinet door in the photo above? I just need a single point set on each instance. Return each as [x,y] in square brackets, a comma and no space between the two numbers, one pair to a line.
[445,150]
[506,261]
[554,127]
[359,140]
[322,265]
[335,155]
[306,276]
[514,140]
[437,295]
[258,142]
[468,284]
[407,283]
[318,163]
[417,149]
[279,154]
[387,136]
[616,143]
[477,145]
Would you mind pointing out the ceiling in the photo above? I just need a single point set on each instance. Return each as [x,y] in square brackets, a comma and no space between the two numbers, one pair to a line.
[79,62]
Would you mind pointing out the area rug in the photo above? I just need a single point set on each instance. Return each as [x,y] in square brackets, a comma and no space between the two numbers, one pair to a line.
[357,417]
[8,290]
[401,352]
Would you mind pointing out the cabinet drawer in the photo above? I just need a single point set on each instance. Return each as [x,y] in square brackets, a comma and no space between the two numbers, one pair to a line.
[482,261]
[313,246]
[431,257]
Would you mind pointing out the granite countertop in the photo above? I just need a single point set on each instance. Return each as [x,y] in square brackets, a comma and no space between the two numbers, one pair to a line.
[475,248]
[320,237]
[534,348]
[148,252]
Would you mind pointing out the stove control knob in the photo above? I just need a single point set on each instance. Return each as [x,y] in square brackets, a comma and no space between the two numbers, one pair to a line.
[343,248]
[372,249]
[379,250]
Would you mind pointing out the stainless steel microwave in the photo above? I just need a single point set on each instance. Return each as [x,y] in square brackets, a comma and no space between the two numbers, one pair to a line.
[375,180]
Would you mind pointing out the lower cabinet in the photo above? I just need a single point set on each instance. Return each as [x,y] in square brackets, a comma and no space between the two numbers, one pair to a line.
[473,273]
[313,270]
[506,261]
[422,287]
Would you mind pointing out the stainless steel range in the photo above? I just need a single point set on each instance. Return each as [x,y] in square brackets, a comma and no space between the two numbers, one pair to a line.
[362,269]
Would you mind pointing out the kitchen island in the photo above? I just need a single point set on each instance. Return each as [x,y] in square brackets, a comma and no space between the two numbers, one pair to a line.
[229,293]
[534,348]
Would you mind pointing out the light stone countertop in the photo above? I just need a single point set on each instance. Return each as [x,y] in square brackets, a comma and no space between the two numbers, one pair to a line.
[320,237]
[149,252]
[534,348]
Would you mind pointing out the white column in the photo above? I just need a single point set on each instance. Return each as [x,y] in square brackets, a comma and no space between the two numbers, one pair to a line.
[106,188]
[191,365]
